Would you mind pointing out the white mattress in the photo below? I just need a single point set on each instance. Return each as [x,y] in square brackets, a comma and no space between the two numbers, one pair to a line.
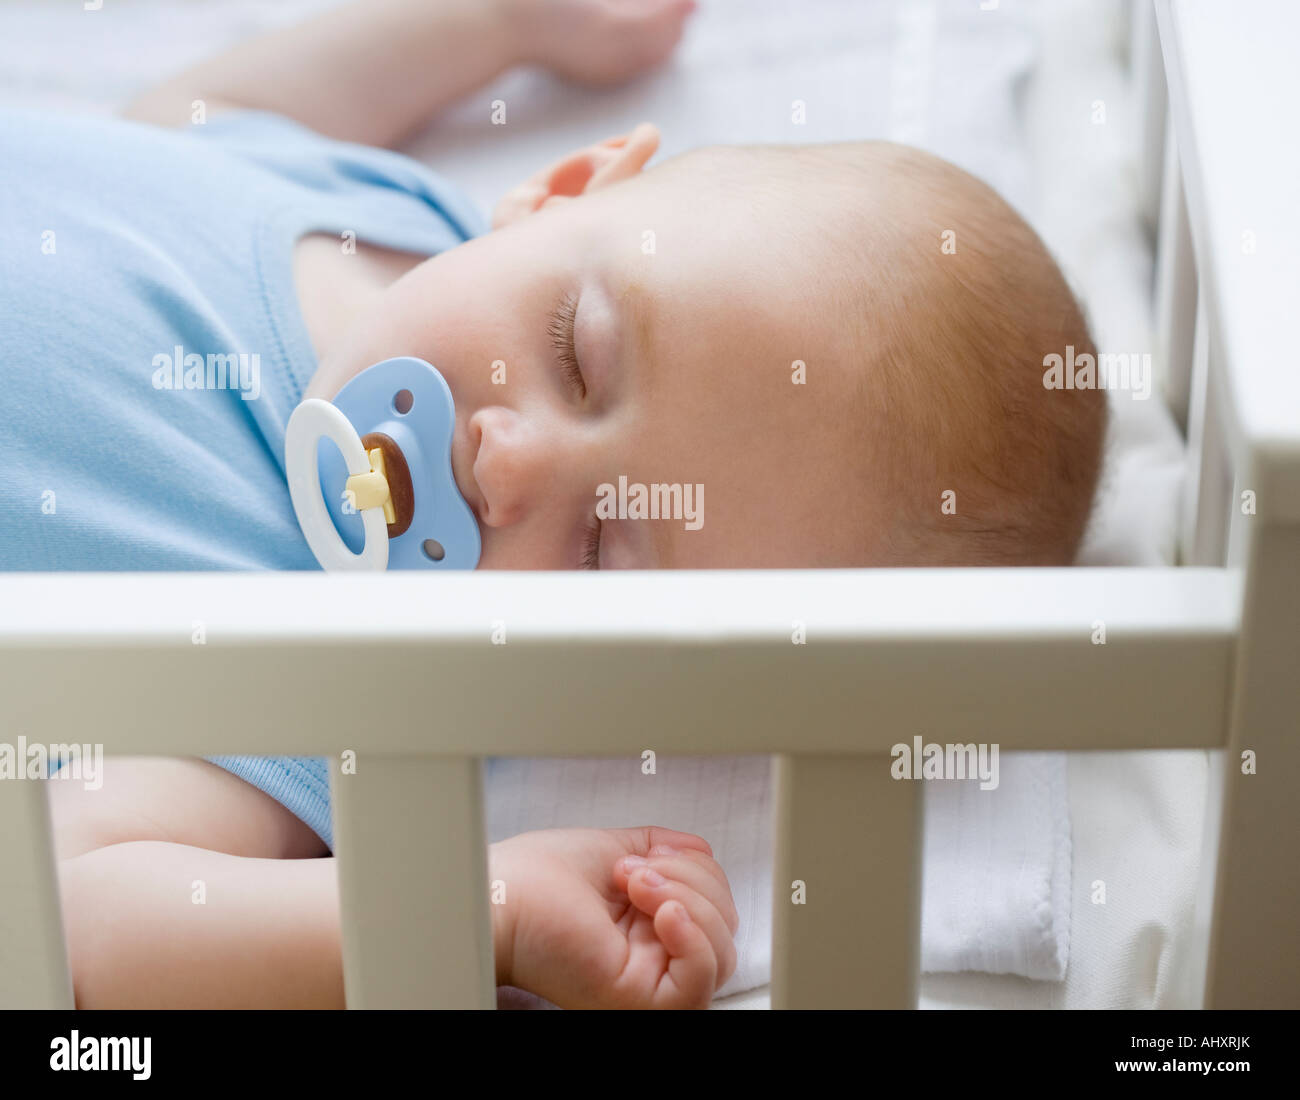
[1008,94]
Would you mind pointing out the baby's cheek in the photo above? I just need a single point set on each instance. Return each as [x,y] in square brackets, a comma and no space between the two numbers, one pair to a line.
[624,544]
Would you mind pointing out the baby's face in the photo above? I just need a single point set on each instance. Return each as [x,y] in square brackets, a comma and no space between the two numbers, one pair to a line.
[662,332]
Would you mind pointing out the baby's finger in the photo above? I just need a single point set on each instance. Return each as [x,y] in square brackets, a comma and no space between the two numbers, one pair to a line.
[650,891]
[657,837]
[692,967]
[693,868]
[640,839]
[702,874]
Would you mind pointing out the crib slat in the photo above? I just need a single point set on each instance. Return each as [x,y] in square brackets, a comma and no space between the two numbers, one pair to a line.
[33,959]
[410,841]
[1207,490]
[1176,289]
[1151,95]
[851,835]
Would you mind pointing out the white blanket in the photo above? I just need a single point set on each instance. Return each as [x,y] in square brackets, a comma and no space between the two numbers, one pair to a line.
[996,881]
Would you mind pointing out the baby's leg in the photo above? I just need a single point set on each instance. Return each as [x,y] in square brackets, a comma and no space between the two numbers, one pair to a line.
[159,925]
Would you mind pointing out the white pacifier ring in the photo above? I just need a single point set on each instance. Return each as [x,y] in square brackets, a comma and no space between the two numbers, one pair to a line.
[312,421]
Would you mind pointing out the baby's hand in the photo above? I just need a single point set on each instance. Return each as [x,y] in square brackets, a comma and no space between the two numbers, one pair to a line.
[598,41]
[613,918]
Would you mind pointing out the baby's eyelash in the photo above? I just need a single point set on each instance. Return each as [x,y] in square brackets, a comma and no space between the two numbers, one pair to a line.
[561,333]
[591,546]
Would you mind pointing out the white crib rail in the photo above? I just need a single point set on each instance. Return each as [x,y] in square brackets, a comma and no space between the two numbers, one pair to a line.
[411,674]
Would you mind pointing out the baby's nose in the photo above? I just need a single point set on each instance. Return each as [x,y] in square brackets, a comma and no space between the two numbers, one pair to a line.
[514,463]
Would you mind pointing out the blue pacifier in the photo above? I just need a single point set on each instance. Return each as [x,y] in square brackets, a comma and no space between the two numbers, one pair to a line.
[383,496]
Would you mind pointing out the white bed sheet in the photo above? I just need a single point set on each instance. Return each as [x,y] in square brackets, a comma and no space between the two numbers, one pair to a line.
[941,73]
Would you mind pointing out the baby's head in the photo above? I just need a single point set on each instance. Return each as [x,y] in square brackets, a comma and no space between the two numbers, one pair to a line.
[843,345]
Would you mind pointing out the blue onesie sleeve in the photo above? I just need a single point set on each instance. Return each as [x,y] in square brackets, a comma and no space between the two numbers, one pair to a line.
[153,348]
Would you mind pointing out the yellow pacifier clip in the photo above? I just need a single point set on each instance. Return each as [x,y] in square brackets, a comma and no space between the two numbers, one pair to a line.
[371,490]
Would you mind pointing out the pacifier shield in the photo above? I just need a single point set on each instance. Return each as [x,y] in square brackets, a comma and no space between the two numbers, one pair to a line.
[405,407]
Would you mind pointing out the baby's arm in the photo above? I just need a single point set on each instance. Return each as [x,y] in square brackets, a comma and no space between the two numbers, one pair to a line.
[185,887]
[376,71]
[154,924]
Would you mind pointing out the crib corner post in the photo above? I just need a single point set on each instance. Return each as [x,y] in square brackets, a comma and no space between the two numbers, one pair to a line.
[1252,959]
[411,845]
[846,917]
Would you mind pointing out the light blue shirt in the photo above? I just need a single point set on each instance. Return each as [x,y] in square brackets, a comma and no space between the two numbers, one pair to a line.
[152,346]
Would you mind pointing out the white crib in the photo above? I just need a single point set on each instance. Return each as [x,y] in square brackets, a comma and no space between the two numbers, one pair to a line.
[1206,655]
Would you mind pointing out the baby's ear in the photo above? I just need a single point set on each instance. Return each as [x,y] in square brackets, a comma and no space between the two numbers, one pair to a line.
[579,173]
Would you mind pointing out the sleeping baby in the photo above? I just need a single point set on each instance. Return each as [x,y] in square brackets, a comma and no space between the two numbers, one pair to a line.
[844,343]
